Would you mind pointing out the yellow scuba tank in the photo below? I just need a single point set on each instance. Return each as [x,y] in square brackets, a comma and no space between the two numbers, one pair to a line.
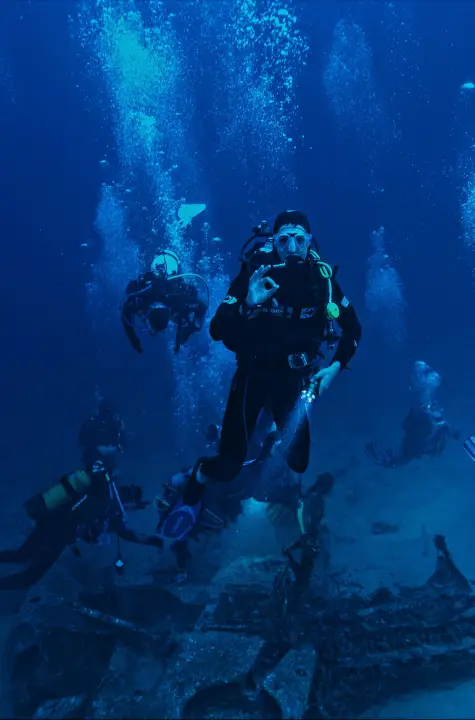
[64,493]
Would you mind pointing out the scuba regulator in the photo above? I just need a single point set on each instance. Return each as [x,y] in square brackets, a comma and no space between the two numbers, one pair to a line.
[263,239]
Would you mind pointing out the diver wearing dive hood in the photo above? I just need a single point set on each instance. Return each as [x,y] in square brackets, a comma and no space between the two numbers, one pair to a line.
[278,312]
[160,296]
[102,437]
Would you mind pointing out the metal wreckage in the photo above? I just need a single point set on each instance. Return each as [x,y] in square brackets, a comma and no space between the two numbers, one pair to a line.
[283,638]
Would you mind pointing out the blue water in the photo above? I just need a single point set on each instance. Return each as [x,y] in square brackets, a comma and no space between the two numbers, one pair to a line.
[116,113]
[112,114]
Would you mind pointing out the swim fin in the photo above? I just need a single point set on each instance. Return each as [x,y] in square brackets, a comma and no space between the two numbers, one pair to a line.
[387,458]
[374,452]
[179,521]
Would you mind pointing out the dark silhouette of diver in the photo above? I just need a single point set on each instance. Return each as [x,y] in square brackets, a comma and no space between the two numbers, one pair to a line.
[425,433]
[81,506]
[425,430]
[102,437]
[161,296]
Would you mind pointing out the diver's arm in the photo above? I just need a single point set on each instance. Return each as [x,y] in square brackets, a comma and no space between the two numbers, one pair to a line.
[128,319]
[232,323]
[189,322]
[350,328]
[200,313]
[146,283]
[125,533]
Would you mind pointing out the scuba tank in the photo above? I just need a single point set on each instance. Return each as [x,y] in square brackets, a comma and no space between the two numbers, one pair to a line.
[65,493]
[261,237]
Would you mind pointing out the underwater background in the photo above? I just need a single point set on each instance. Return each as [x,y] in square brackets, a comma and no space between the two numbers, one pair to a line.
[115,113]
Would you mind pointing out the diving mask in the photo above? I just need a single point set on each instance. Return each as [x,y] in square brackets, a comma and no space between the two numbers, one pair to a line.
[283,237]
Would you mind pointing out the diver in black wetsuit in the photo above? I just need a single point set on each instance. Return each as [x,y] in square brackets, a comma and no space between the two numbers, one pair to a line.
[276,315]
[102,438]
[425,429]
[82,506]
[161,296]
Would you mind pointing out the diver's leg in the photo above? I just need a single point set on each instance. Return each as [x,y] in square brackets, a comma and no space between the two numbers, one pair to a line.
[411,448]
[245,402]
[44,557]
[13,556]
[290,415]
[26,551]
[183,556]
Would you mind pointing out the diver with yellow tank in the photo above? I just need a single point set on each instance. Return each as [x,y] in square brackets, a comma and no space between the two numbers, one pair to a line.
[161,296]
[81,506]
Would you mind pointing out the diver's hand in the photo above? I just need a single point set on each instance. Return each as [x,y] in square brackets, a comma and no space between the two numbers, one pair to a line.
[324,377]
[260,288]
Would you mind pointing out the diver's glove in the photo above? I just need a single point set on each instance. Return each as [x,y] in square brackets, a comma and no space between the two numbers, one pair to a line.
[326,376]
[260,288]
[320,382]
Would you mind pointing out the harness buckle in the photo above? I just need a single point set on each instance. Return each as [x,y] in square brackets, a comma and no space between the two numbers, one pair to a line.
[297,361]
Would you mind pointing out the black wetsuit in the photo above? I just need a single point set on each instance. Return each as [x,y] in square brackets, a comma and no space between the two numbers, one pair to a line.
[292,323]
[102,429]
[94,513]
[181,298]
[224,501]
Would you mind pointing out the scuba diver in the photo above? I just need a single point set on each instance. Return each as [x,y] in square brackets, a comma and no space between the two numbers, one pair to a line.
[278,312]
[160,296]
[425,430]
[81,506]
[224,501]
[102,437]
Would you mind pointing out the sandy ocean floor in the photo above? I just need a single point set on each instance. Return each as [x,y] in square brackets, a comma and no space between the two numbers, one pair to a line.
[457,703]
[427,497]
